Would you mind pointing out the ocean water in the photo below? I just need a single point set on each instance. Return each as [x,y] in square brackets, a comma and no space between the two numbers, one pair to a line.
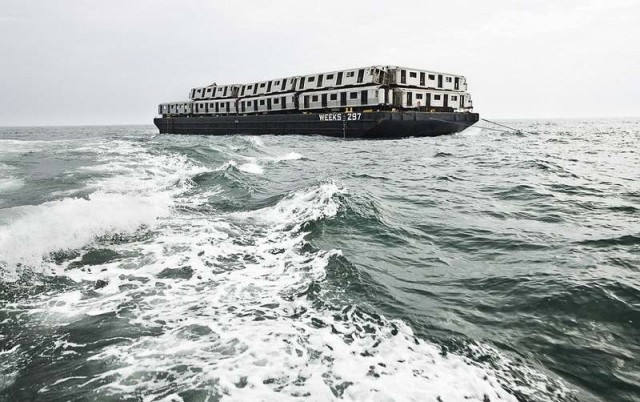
[482,266]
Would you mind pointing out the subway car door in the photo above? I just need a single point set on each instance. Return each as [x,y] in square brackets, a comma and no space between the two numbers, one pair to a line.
[364,98]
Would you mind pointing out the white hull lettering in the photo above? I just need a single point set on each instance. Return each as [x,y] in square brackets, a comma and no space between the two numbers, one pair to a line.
[339,116]
[330,117]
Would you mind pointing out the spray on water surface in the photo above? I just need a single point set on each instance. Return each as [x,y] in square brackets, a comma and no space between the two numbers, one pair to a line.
[480,266]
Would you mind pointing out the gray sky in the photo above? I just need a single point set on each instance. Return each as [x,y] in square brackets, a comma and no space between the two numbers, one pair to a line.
[112,62]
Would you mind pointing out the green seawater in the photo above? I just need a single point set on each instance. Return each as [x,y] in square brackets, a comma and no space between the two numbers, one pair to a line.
[484,265]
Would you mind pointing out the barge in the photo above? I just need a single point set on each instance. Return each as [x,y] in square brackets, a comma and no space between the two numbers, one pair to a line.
[369,102]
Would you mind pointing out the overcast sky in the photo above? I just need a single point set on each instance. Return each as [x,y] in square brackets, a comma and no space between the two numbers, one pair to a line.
[111,62]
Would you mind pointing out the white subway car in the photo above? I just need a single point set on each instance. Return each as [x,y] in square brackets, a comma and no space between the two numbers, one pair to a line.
[407,98]
[361,97]
[215,107]
[268,103]
[426,79]
[175,108]
[214,92]
[268,87]
[196,93]
[225,91]
[335,79]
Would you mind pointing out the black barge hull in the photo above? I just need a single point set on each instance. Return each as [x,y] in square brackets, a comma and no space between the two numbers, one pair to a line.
[347,125]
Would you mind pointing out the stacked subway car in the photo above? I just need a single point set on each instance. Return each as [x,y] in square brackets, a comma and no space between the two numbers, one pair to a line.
[376,101]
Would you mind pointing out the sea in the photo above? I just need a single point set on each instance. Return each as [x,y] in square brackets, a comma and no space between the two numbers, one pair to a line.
[488,265]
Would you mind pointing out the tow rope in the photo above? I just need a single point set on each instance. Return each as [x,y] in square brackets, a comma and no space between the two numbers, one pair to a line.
[502,125]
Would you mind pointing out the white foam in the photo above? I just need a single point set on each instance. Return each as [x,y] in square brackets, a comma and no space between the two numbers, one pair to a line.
[472,131]
[132,169]
[254,166]
[520,378]
[288,157]
[135,189]
[36,231]
[239,326]
[22,146]
[255,141]
[302,207]
[251,167]
[10,184]
[8,373]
